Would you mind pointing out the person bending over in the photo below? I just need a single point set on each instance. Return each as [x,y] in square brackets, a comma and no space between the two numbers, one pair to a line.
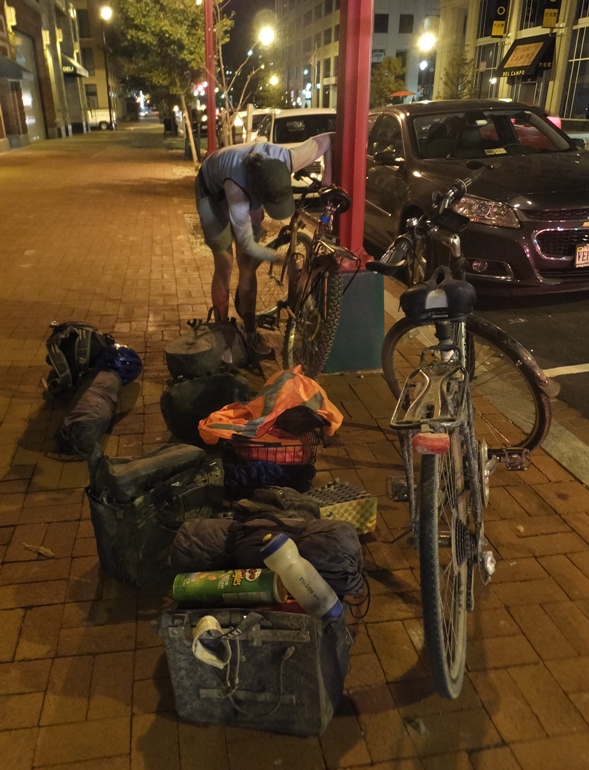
[233,188]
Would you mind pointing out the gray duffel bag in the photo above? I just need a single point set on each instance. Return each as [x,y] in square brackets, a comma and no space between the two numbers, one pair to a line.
[285,672]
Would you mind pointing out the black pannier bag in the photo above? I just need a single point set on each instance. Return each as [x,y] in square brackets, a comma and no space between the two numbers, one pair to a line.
[285,672]
[186,402]
[91,414]
[137,505]
[209,348]
[72,349]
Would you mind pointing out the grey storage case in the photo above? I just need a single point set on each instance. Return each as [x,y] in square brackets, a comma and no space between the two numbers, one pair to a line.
[285,675]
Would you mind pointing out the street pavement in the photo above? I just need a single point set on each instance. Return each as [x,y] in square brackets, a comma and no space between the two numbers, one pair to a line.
[101,228]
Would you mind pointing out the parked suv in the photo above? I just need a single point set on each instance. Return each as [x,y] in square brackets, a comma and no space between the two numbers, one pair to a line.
[529,213]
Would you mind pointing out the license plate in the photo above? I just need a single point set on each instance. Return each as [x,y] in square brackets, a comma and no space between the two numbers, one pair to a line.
[582,255]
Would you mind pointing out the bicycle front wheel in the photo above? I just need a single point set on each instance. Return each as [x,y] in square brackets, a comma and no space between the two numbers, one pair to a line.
[309,335]
[512,412]
[443,561]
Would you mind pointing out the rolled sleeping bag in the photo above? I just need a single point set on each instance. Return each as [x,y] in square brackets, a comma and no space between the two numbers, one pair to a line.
[91,414]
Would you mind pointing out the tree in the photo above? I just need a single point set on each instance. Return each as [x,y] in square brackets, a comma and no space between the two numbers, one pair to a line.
[387,77]
[161,46]
[458,77]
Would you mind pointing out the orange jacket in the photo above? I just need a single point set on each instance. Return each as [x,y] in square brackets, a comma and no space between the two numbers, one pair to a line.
[284,390]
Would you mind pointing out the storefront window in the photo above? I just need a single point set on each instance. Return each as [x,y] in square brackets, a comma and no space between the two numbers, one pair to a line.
[486,18]
[532,14]
[486,63]
[576,100]
[583,9]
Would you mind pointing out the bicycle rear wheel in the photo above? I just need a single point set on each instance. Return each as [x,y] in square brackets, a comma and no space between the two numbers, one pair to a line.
[309,335]
[443,560]
[511,409]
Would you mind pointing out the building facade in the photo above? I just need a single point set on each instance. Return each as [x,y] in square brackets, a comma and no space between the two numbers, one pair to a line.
[309,42]
[534,51]
[52,69]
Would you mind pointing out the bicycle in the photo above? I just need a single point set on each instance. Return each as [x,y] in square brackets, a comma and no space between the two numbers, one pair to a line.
[305,286]
[436,417]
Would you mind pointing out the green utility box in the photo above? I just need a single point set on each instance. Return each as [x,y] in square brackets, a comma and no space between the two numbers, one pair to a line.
[360,333]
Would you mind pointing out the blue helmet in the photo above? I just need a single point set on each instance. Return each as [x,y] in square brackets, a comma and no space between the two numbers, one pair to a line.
[122,360]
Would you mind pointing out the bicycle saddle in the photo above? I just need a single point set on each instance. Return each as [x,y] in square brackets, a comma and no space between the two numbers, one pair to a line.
[336,197]
[440,297]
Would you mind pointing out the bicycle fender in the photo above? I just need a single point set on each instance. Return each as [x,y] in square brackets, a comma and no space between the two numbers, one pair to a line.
[548,386]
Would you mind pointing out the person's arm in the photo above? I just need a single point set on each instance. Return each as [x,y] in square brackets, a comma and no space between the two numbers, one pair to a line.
[308,152]
[241,224]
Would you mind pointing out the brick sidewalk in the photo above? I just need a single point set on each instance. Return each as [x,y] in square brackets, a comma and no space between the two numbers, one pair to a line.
[94,228]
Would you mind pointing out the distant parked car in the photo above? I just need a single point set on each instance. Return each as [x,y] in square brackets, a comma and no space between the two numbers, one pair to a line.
[101,119]
[529,229]
[288,127]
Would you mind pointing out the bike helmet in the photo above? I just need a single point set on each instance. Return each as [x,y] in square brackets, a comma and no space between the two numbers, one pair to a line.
[122,360]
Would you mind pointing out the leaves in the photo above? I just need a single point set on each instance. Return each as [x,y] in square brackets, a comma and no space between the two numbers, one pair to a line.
[387,77]
[458,77]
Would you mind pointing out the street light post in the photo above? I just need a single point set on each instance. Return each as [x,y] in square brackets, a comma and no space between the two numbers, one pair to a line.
[106,15]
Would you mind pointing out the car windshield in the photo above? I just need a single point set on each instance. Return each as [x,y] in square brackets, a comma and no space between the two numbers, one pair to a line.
[256,120]
[288,130]
[485,133]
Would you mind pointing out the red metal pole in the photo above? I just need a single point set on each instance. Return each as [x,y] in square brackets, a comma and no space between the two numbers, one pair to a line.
[353,101]
[210,68]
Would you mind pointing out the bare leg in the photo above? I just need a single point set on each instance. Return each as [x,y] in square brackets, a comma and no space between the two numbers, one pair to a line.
[247,288]
[220,284]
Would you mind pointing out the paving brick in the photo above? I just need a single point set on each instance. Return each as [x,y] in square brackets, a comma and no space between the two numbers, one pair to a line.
[554,710]
[17,748]
[91,640]
[18,711]
[499,652]
[85,581]
[459,761]
[396,652]
[202,747]
[99,613]
[530,592]
[418,697]
[85,546]
[453,732]
[154,743]
[571,674]
[564,496]
[153,695]
[48,514]
[40,632]
[111,692]
[543,634]
[35,571]
[79,741]
[550,468]
[511,714]
[549,753]
[10,623]
[32,594]
[67,694]
[275,751]
[32,534]
[494,759]
[60,537]
[342,743]
[10,508]
[581,702]
[489,623]
[572,623]
[107,763]
[365,670]
[24,677]
[151,663]
[382,726]
[567,575]
[579,522]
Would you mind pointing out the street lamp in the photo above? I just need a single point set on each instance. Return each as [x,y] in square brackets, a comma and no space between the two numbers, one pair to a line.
[426,42]
[266,35]
[273,80]
[106,15]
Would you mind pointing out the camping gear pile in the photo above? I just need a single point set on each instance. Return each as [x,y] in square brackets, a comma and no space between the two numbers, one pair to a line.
[259,564]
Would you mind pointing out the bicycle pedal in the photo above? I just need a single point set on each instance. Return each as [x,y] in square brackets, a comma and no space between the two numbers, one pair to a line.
[397,489]
[515,461]
[269,322]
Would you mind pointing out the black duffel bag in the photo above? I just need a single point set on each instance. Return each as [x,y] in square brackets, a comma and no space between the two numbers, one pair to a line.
[185,403]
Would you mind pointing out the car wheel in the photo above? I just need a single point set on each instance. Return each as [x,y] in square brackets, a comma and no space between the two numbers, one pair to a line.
[103,125]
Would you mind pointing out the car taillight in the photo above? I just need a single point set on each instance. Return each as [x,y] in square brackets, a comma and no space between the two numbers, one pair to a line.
[555,120]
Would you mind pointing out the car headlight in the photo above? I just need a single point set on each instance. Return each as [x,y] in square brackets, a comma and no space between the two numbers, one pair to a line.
[486,212]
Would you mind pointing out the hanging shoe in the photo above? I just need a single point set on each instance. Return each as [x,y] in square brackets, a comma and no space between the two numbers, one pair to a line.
[258,347]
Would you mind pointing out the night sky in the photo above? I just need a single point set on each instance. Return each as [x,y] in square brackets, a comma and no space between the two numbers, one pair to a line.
[250,15]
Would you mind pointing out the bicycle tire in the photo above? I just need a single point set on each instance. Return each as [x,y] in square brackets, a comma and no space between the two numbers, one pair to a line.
[272,278]
[521,414]
[309,335]
[444,570]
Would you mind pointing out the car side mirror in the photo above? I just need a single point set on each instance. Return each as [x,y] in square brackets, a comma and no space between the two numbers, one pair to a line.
[390,158]
[579,143]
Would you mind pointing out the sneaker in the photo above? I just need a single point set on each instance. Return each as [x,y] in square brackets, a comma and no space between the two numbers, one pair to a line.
[258,347]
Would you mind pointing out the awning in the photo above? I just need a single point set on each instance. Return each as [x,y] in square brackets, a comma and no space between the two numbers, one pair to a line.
[528,55]
[11,70]
[72,67]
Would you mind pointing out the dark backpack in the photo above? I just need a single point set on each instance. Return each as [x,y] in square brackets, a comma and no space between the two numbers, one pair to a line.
[72,349]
